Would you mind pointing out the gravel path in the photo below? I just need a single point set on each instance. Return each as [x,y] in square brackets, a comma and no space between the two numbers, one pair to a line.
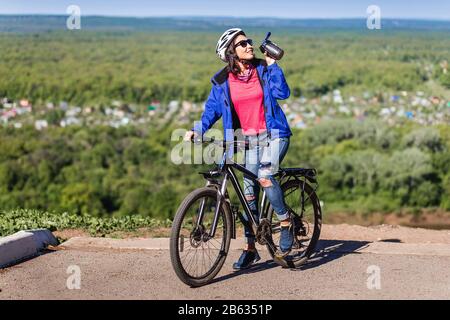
[342,269]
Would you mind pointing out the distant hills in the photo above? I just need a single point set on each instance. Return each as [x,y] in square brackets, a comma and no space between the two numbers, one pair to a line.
[46,23]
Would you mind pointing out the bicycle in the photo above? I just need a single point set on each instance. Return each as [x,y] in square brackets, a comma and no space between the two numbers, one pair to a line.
[206,219]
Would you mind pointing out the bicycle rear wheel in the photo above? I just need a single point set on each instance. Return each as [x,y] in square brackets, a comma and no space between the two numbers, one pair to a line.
[307,222]
[197,258]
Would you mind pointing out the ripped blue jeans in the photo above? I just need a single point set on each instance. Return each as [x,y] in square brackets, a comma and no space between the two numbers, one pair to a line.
[263,159]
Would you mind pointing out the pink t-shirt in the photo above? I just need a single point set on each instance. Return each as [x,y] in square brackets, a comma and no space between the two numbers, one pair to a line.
[248,97]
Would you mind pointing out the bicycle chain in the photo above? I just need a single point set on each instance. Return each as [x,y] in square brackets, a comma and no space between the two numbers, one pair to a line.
[264,234]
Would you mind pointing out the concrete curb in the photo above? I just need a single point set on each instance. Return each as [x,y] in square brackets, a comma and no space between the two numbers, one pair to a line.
[129,244]
[423,249]
[24,245]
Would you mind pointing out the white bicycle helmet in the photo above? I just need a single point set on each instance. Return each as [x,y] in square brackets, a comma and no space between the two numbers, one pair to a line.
[225,40]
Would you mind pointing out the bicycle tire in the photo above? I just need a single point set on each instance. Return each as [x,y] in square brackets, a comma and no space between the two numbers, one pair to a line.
[184,207]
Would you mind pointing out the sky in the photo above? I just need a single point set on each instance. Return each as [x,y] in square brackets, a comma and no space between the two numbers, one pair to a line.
[403,9]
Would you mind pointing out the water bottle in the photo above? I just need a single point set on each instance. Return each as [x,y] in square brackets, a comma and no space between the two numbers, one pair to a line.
[273,51]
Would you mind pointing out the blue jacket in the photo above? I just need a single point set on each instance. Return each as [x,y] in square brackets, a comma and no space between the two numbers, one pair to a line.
[219,103]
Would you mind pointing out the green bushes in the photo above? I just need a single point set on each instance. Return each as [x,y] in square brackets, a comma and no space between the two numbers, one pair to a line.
[360,162]
[424,138]
[371,132]
[12,221]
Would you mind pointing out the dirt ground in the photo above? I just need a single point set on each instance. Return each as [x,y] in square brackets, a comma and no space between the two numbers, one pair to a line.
[429,219]
[394,222]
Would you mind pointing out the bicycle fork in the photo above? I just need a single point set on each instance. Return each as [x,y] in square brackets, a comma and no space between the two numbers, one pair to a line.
[221,191]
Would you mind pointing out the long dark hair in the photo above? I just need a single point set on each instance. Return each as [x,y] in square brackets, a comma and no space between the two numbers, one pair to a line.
[232,57]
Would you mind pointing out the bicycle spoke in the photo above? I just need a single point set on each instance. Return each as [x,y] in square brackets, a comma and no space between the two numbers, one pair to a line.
[188,252]
[209,251]
[203,259]
[220,244]
[213,244]
[187,266]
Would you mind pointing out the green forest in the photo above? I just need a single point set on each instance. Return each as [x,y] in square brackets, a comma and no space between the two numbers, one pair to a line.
[136,67]
[101,171]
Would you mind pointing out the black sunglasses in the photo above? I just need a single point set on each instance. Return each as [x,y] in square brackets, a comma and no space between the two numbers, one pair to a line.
[244,43]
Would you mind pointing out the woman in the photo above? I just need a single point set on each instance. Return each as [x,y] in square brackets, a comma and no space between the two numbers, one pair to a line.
[244,94]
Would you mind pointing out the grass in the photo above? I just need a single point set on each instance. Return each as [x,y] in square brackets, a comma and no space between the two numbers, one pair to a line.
[22,219]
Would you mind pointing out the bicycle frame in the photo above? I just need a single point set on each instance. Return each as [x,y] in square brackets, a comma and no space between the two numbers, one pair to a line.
[226,169]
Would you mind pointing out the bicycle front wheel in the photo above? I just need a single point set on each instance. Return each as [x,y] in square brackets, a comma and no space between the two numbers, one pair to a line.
[196,257]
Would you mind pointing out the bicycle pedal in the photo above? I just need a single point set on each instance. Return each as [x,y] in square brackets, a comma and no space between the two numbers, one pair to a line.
[263,232]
